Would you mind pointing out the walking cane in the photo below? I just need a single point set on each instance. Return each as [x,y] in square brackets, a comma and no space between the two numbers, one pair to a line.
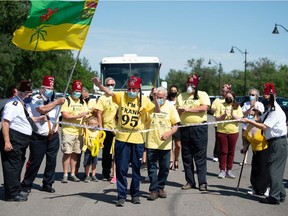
[243,162]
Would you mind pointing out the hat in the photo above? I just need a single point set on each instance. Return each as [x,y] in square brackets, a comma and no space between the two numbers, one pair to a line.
[134,82]
[269,89]
[77,85]
[48,81]
[25,86]
[226,87]
[193,79]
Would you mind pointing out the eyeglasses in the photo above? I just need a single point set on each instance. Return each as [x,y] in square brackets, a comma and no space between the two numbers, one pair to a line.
[252,94]
[110,84]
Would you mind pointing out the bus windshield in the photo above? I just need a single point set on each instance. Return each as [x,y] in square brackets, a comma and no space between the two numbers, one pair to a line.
[121,68]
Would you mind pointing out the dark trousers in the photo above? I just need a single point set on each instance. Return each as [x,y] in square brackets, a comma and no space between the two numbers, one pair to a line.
[122,152]
[216,146]
[259,174]
[276,166]
[194,148]
[13,161]
[106,156]
[41,146]
[158,182]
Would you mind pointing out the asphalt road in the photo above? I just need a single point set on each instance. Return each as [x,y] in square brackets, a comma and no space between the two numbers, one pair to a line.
[98,198]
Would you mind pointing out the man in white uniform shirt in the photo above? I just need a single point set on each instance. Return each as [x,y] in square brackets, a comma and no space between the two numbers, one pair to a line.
[46,140]
[14,139]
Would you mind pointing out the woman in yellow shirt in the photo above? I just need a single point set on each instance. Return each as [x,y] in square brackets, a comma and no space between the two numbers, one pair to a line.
[227,133]
[259,174]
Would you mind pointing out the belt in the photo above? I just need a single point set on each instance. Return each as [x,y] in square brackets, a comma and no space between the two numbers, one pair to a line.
[276,138]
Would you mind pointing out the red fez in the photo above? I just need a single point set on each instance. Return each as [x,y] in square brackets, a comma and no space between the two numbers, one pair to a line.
[269,89]
[48,81]
[134,82]
[227,87]
[193,79]
[77,85]
[25,86]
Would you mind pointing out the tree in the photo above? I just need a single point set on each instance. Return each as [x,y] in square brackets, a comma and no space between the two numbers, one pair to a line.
[17,64]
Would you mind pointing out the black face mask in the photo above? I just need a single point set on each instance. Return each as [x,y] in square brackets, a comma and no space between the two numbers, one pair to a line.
[173,94]
[266,102]
[86,99]
[228,100]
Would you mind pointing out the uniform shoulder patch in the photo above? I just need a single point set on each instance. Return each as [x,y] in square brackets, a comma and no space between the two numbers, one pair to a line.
[15,103]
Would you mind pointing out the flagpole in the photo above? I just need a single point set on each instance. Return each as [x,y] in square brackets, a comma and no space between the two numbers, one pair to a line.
[67,86]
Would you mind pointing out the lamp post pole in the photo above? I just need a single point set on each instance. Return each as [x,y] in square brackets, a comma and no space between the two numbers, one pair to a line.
[245,65]
[219,72]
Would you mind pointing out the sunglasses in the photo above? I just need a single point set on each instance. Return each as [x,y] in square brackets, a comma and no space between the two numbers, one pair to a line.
[110,85]
[252,94]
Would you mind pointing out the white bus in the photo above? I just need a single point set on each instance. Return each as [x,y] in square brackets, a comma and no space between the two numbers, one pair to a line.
[121,68]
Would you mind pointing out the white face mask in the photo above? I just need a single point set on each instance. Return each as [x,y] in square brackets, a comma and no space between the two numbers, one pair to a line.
[111,88]
[190,90]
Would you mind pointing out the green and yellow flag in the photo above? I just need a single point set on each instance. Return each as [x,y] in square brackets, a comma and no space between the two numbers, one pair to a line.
[55,25]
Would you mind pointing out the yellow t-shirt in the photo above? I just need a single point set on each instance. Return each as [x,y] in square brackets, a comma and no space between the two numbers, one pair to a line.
[217,102]
[163,122]
[229,127]
[89,137]
[257,140]
[187,101]
[109,110]
[75,108]
[91,105]
[131,117]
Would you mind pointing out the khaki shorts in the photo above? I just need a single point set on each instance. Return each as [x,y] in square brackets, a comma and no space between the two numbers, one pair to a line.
[71,143]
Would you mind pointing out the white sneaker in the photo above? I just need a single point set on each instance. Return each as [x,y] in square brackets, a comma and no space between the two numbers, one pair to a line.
[230,174]
[266,194]
[215,159]
[222,174]
[251,192]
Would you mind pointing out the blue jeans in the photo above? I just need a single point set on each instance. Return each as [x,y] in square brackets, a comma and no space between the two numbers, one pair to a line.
[123,152]
[163,157]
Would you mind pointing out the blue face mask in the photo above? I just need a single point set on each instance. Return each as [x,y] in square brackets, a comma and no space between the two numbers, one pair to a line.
[251,98]
[77,94]
[27,100]
[132,94]
[160,101]
[250,117]
[48,93]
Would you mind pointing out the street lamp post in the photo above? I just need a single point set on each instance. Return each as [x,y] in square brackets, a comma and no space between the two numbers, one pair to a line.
[275,31]
[245,65]
[219,72]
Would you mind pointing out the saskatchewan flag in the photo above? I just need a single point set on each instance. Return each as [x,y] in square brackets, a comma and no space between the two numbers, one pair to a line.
[55,25]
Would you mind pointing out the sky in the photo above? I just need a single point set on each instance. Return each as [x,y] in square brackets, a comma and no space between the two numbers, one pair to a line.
[177,31]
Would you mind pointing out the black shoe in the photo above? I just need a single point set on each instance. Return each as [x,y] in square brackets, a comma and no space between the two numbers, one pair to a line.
[203,187]
[136,200]
[24,194]
[282,199]
[48,188]
[269,200]
[17,198]
[26,190]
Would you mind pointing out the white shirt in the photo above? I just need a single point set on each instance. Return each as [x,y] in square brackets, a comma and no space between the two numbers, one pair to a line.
[14,113]
[258,105]
[43,127]
[275,122]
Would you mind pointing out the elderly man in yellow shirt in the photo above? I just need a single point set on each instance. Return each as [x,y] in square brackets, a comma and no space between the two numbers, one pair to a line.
[192,107]
[159,143]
